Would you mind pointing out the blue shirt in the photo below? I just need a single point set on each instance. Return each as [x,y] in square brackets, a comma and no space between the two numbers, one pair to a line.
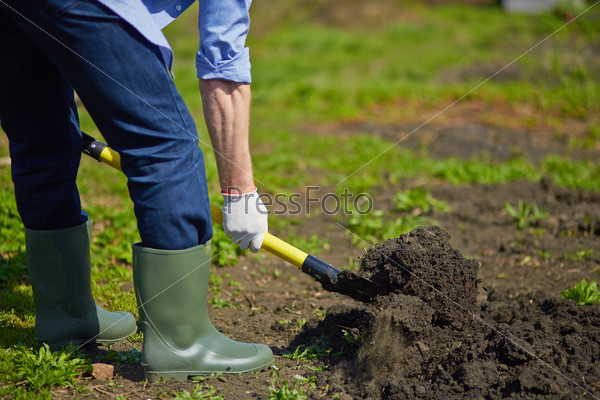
[222,24]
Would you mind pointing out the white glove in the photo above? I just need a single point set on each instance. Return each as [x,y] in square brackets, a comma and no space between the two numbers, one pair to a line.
[245,219]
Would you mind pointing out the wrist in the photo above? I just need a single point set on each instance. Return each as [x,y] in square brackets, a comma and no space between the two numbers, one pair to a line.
[236,191]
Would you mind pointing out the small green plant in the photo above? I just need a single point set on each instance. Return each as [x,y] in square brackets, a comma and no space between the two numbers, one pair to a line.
[41,369]
[234,284]
[583,254]
[137,337]
[312,351]
[299,356]
[352,336]
[215,282]
[201,392]
[286,391]
[221,303]
[526,214]
[310,381]
[301,322]
[583,293]
[418,201]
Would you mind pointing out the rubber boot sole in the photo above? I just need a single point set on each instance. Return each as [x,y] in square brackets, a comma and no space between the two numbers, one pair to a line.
[157,376]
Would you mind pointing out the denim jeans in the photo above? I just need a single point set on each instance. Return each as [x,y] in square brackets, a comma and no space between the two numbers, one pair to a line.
[48,48]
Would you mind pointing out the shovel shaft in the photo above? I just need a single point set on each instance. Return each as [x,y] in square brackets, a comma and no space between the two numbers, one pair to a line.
[305,262]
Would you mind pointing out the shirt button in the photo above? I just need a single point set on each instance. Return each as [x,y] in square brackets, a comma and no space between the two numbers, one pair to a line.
[178,7]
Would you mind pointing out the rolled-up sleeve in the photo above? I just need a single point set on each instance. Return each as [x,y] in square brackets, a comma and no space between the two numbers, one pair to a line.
[223,26]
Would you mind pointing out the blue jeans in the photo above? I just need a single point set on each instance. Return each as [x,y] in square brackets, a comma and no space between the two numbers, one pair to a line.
[126,88]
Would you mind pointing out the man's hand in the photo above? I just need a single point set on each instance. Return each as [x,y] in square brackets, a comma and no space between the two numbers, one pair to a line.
[245,219]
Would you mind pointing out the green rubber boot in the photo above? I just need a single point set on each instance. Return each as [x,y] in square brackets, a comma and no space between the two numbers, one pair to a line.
[58,262]
[179,339]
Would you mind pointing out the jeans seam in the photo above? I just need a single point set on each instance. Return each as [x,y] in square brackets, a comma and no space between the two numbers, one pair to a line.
[185,126]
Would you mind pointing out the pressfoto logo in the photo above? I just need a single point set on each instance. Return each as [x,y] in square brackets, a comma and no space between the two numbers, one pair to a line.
[309,201]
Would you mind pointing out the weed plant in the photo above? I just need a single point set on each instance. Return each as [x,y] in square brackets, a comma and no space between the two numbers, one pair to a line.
[221,303]
[583,293]
[285,390]
[315,350]
[526,214]
[200,392]
[30,370]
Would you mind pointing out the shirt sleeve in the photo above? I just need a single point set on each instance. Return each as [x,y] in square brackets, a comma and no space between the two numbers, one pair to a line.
[223,26]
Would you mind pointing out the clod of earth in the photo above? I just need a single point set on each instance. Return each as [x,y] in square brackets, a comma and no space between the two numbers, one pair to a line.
[421,264]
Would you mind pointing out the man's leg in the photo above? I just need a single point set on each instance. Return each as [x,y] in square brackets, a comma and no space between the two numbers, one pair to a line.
[128,92]
[38,113]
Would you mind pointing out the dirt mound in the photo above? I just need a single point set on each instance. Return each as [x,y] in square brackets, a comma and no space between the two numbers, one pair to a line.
[413,341]
[423,264]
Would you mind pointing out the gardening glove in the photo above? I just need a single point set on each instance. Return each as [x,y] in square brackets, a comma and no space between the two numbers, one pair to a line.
[245,219]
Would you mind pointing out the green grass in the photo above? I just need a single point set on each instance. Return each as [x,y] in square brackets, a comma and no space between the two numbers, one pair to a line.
[368,229]
[12,248]
[418,201]
[329,64]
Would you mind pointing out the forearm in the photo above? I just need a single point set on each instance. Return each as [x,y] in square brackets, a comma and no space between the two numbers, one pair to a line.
[227,113]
